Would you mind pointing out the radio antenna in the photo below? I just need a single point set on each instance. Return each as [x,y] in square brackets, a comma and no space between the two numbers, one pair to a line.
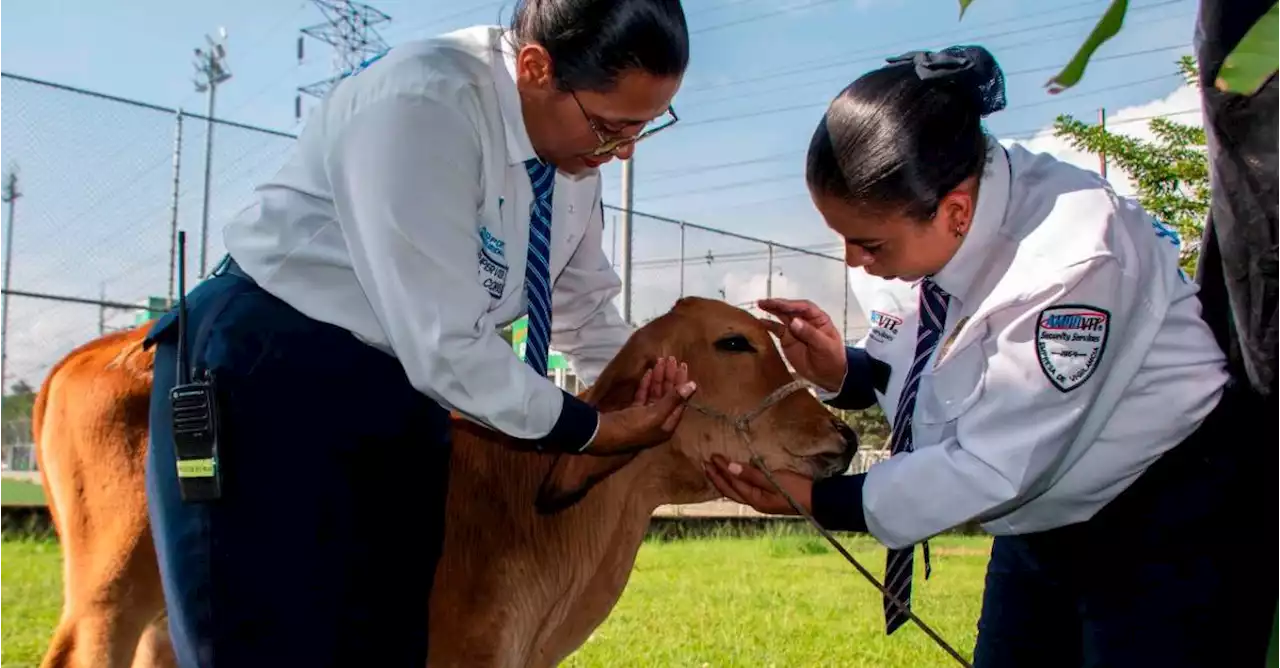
[184,376]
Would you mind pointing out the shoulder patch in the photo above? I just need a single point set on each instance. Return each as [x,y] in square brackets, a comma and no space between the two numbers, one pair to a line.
[1070,340]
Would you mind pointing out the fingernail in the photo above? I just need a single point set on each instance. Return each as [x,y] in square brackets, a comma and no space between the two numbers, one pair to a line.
[797,325]
[688,388]
[735,468]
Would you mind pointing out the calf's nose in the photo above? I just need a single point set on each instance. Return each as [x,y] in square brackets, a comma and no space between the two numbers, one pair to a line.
[848,434]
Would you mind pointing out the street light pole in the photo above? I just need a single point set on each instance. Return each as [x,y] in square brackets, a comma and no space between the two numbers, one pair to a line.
[211,70]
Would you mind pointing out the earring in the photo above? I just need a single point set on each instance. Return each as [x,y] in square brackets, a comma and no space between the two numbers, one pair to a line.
[959,234]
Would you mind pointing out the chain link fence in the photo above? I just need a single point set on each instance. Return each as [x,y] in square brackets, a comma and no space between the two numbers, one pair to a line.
[673,258]
[103,184]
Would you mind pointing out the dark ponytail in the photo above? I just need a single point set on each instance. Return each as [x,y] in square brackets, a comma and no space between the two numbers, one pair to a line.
[592,42]
[901,137]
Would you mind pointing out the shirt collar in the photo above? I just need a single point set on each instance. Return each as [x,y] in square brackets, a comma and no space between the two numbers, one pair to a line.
[519,148]
[993,198]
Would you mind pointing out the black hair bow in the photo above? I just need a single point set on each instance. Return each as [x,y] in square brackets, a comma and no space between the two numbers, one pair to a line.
[972,65]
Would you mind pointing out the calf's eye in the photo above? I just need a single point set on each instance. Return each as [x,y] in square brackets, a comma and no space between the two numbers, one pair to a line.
[735,343]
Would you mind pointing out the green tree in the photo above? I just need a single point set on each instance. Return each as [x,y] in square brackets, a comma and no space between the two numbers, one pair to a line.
[17,403]
[1171,171]
[870,425]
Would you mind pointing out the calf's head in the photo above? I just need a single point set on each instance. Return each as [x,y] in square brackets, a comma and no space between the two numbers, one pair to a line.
[740,374]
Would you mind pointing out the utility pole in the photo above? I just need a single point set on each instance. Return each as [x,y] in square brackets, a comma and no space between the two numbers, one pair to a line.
[628,186]
[102,309]
[349,28]
[211,71]
[9,197]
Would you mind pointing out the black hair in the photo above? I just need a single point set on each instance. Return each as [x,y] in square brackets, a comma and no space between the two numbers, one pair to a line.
[592,42]
[901,137]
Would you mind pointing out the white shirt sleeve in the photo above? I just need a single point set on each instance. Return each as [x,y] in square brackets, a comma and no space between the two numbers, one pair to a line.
[586,325]
[1014,435]
[406,176]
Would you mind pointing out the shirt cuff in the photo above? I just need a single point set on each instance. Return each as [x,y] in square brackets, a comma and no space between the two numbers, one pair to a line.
[837,503]
[575,428]
[857,391]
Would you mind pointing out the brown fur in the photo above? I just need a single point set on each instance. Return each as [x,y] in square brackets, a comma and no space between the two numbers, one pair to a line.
[538,548]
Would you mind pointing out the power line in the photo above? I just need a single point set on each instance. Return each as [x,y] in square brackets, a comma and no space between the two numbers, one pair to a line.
[707,9]
[811,105]
[760,17]
[664,174]
[879,51]
[844,80]
[783,177]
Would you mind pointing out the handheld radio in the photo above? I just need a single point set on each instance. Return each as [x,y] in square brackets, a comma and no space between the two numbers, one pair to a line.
[194,409]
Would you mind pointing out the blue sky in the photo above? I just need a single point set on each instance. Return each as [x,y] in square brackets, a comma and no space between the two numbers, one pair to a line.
[97,175]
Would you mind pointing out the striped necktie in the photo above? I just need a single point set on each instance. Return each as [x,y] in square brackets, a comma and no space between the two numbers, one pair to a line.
[899,563]
[537,279]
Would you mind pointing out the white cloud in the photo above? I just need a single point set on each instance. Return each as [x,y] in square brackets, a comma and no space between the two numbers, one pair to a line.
[741,283]
[1133,121]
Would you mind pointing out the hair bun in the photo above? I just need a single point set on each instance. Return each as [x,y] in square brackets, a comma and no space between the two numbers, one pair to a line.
[973,66]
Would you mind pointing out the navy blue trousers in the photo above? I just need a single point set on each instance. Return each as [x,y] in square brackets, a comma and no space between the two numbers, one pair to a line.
[322,548]
[1178,571]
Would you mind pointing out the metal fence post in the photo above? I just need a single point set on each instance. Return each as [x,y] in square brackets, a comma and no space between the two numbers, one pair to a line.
[628,184]
[173,205]
[844,327]
[768,283]
[11,196]
[681,259]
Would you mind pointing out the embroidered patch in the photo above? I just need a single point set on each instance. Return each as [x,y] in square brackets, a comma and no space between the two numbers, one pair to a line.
[1070,340]
[884,326]
[492,260]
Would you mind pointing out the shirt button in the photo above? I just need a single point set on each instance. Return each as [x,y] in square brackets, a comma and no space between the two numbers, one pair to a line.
[570,208]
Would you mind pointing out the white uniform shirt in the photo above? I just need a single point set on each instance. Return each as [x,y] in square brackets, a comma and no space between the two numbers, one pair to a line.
[1073,356]
[376,223]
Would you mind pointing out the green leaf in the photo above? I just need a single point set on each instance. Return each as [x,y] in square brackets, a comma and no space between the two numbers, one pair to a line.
[1107,27]
[1254,58]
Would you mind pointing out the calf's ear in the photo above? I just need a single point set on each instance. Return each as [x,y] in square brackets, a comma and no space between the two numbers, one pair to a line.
[572,476]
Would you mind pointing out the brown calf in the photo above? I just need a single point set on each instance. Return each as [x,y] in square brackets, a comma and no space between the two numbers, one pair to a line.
[538,548]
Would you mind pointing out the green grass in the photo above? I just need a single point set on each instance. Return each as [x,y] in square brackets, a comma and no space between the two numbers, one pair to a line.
[781,599]
[31,598]
[20,493]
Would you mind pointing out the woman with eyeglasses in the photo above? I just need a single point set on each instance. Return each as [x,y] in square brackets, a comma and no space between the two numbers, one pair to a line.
[444,191]
[1047,374]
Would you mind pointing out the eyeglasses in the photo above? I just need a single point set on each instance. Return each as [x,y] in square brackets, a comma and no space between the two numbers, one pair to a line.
[610,144]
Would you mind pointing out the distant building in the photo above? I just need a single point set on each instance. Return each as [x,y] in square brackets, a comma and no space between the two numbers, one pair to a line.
[557,365]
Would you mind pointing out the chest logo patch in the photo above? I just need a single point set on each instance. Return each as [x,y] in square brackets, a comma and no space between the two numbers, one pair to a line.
[884,326]
[492,260]
[1070,340]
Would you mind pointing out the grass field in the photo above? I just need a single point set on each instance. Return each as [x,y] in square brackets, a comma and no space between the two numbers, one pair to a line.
[15,492]
[785,599]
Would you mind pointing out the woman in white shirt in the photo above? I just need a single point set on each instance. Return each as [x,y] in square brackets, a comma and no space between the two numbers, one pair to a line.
[1052,379]
[436,196]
